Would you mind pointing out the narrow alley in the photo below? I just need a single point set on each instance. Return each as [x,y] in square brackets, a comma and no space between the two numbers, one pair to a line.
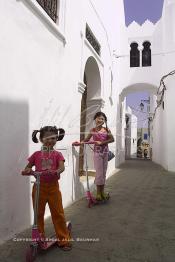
[137,224]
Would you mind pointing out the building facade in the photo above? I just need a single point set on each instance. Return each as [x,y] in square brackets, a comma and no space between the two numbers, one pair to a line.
[144,54]
[63,61]
[56,64]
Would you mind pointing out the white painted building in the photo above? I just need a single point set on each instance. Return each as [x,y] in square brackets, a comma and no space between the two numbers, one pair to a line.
[163,142]
[131,79]
[50,72]
[44,67]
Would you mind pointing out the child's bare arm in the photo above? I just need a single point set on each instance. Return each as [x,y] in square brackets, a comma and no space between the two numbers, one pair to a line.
[61,167]
[88,137]
[27,169]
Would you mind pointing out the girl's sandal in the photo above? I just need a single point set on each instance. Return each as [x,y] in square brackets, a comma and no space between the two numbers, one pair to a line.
[99,197]
[105,196]
[66,247]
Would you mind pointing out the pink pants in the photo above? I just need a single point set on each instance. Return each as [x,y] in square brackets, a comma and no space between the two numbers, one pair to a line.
[100,164]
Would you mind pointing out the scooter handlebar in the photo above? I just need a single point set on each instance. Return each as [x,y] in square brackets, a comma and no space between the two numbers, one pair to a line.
[76,143]
[40,173]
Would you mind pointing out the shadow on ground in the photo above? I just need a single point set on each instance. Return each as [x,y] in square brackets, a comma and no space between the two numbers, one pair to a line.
[137,224]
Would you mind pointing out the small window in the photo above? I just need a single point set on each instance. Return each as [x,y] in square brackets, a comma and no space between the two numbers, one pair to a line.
[134,55]
[146,54]
[92,40]
[50,6]
[145,136]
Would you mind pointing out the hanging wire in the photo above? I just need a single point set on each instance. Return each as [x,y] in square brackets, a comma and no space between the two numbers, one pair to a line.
[162,91]
[156,54]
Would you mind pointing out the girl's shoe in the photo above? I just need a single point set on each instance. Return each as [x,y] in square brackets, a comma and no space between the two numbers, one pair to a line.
[105,196]
[99,197]
[66,247]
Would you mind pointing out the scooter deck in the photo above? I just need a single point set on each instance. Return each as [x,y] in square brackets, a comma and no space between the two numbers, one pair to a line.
[52,240]
[49,243]
[101,202]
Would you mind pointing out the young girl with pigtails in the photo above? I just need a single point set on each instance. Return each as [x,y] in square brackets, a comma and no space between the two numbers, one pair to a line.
[49,160]
[102,136]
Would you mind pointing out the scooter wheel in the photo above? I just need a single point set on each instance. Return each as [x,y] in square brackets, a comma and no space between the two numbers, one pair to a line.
[31,253]
[69,226]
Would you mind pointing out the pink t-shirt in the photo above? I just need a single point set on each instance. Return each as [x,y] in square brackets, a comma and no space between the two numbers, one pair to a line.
[43,160]
[100,136]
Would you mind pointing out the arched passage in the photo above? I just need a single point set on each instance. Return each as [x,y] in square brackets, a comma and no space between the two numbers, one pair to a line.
[90,102]
[121,124]
[138,87]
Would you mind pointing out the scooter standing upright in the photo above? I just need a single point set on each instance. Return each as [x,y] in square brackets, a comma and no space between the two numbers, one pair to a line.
[38,242]
[90,198]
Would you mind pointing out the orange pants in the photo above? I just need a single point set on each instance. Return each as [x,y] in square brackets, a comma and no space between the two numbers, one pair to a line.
[50,193]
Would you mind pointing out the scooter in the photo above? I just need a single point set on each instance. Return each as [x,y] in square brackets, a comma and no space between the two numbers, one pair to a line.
[38,242]
[90,198]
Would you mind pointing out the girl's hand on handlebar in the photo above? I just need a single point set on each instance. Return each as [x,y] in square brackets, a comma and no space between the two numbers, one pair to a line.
[26,172]
[99,143]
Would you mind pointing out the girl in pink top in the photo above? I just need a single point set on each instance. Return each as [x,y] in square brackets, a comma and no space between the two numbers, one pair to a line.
[51,163]
[102,137]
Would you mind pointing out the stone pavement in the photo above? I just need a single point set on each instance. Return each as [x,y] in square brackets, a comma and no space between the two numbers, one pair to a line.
[136,225]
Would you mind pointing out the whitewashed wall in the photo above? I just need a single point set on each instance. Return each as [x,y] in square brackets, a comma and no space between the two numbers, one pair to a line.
[164,123]
[42,67]
[132,80]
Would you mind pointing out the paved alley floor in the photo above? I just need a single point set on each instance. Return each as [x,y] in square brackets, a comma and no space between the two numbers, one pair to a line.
[136,225]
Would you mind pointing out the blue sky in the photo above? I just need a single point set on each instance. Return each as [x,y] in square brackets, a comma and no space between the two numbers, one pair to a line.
[141,10]
[133,100]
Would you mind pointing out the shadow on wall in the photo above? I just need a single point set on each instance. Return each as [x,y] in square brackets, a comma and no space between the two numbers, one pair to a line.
[14,189]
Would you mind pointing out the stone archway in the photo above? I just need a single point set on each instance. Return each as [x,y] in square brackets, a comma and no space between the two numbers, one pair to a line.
[91,102]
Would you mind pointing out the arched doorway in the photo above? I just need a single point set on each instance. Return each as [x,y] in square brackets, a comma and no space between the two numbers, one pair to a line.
[90,103]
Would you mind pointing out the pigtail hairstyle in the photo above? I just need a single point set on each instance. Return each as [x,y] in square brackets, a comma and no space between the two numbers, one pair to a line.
[61,134]
[34,138]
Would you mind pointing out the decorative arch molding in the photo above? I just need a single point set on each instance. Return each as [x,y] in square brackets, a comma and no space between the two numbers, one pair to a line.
[138,87]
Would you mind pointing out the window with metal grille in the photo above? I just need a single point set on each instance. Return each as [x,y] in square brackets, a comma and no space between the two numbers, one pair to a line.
[134,55]
[146,54]
[50,6]
[92,40]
